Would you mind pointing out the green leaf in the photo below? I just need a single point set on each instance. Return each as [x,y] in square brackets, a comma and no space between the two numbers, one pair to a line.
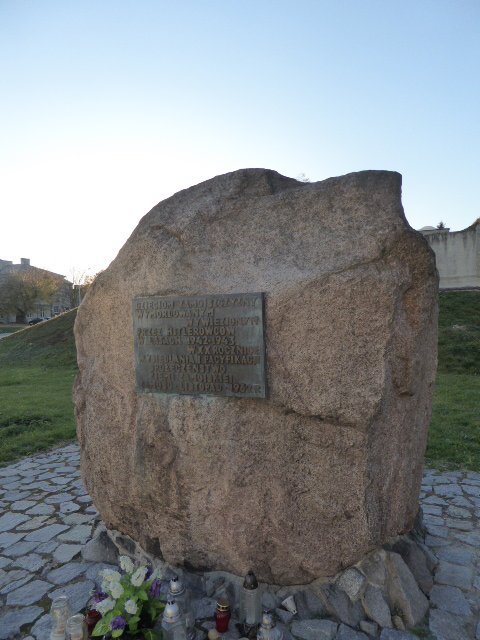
[149,634]
[133,622]
[102,627]
[117,633]
[142,595]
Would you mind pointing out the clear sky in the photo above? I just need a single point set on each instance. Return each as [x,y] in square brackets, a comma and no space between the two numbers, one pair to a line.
[109,106]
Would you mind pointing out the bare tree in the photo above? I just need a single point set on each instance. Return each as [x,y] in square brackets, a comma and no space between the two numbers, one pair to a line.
[81,282]
[22,290]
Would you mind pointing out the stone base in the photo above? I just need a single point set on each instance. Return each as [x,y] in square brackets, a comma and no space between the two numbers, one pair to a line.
[387,590]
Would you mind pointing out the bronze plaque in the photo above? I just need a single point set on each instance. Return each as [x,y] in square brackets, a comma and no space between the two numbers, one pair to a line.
[212,344]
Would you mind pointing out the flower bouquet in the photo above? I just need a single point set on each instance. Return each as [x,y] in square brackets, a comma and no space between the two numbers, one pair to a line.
[129,603]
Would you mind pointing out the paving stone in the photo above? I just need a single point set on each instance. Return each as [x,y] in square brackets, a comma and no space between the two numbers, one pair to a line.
[60,480]
[41,510]
[78,594]
[434,500]
[46,476]
[46,533]
[458,512]
[32,562]
[439,532]
[11,586]
[22,505]
[447,626]
[79,533]
[67,573]
[314,629]
[12,621]
[16,495]
[434,541]
[47,547]
[454,575]
[92,510]
[432,509]
[69,507]
[84,499]
[435,520]
[78,518]
[11,576]
[459,525]
[472,538]
[19,549]
[65,552]
[461,501]
[33,523]
[472,490]
[448,490]
[7,538]
[57,498]
[8,472]
[457,555]
[10,520]
[450,599]
[29,593]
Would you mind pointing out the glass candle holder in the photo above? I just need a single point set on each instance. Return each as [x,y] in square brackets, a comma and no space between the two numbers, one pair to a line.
[60,612]
[222,615]
[76,629]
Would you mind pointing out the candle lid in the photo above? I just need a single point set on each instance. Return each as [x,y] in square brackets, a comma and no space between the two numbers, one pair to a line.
[171,613]
[250,581]
[176,586]
[223,604]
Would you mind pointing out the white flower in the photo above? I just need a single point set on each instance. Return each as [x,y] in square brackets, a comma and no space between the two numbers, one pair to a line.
[126,564]
[109,575]
[116,590]
[105,606]
[139,576]
[131,607]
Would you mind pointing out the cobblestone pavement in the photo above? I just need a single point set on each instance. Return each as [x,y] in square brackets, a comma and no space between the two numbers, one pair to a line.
[46,518]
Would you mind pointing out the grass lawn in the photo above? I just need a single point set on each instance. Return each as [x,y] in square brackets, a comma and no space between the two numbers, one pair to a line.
[454,436]
[11,328]
[37,369]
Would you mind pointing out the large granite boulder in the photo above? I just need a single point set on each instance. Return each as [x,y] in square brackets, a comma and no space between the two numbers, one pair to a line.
[328,467]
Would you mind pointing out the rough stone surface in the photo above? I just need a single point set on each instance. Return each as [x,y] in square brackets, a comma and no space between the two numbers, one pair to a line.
[314,629]
[347,633]
[376,606]
[351,340]
[447,626]
[403,592]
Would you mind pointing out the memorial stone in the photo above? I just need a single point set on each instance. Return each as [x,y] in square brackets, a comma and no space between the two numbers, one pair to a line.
[256,372]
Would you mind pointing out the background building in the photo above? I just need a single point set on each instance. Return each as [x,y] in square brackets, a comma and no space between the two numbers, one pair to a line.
[60,301]
[457,255]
